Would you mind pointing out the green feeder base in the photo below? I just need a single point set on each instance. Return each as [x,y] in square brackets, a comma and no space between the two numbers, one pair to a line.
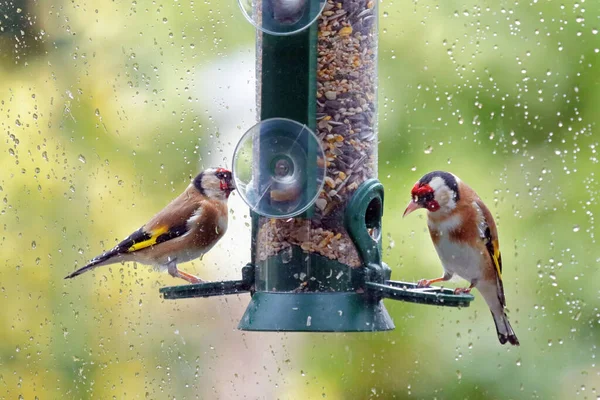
[315,312]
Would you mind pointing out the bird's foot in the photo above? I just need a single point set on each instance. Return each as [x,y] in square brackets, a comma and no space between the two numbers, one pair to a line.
[462,290]
[188,277]
[175,273]
[423,283]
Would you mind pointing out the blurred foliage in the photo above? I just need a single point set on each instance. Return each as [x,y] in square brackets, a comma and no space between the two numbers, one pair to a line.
[104,111]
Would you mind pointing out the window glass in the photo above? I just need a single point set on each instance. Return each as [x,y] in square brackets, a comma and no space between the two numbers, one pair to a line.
[109,109]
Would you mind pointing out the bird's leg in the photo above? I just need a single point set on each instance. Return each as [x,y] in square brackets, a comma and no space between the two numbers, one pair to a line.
[464,290]
[174,272]
[427,282]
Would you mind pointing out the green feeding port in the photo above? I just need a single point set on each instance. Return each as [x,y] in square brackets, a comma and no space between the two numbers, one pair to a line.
[308,172]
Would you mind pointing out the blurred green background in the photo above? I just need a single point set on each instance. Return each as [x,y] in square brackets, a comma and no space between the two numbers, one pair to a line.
[108,108]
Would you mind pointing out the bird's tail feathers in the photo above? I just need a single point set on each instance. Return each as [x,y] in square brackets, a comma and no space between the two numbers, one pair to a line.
[494,297]
[104,259]
[504,329]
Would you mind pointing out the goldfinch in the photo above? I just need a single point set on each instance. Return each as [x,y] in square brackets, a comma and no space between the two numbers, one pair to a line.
[466,239]
[184,230]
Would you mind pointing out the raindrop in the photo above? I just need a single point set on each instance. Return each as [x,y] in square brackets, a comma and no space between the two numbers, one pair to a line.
[81,158]
[33,244]
[428,150]
[576,228]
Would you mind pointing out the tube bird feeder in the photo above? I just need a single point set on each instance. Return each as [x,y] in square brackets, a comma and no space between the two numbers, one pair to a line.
[308,172]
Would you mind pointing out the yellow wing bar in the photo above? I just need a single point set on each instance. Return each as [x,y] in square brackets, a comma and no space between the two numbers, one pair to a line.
[496,258]
[150,241]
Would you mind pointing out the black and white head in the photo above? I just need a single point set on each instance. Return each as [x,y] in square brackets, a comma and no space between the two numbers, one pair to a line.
[436,191]
[214,183]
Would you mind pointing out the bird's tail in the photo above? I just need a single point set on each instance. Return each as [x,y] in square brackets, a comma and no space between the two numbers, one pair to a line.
[503,328]
[494,297]
[105,258]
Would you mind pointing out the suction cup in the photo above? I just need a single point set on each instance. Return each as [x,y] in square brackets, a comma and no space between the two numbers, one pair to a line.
[278,168]
[281,17]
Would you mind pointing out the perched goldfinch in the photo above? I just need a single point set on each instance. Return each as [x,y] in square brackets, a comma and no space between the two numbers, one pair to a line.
[184,230]
[465,237]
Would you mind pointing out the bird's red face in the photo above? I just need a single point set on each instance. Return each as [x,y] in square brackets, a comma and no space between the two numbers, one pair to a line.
[423,196]
[225,181]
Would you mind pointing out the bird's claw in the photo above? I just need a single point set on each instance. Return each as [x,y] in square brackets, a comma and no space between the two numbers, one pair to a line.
[194,280]
[462,290]
[423,283]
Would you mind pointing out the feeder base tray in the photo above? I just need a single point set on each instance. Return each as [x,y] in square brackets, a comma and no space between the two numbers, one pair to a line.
[315,312]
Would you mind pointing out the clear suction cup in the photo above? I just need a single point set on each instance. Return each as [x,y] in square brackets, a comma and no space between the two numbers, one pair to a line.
[282,17]
[278,168]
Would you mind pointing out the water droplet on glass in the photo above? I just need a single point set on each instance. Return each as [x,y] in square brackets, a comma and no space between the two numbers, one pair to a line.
[428,150]
[576,228]
[81,158]
[33,244]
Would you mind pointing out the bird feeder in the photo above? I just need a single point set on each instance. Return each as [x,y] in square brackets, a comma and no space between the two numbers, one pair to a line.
[308,172]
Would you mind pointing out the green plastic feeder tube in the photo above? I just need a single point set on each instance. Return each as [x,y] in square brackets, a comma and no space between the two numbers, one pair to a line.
[323,77]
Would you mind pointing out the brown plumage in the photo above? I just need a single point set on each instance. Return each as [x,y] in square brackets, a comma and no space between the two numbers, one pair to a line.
[184,230]
[465,237]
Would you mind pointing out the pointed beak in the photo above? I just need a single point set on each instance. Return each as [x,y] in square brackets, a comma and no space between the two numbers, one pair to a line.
[412,206]
[231,185]
[227,186]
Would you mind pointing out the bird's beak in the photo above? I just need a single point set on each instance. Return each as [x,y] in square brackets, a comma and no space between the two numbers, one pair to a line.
[231,185]
[227,186]
[412,206]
